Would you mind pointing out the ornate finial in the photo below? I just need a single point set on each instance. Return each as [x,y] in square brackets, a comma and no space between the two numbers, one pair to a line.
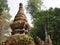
[21,5]
[21,10]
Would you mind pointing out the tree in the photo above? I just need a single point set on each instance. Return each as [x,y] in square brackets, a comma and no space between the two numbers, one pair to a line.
[51,18]
[4,5]
[1,10]
[34,6]
[4,18]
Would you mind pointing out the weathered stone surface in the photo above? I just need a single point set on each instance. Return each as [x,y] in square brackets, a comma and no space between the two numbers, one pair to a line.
[20,29]
[20,40]
[20,24]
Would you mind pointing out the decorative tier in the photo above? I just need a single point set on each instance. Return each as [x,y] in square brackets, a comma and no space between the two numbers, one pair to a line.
[20,24]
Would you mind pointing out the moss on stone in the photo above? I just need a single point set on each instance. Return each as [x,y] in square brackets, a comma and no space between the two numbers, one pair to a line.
[27,38]
[20,40]
[24,38]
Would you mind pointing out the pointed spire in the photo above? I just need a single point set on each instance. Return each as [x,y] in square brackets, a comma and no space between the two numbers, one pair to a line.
[20,5]
[21,8]
[20,15]
[20,24]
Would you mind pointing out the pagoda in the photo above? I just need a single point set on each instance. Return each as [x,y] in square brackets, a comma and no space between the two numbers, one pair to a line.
[20,30]
[20,24]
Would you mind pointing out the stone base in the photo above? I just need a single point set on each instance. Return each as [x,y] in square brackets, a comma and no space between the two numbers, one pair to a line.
[20,40]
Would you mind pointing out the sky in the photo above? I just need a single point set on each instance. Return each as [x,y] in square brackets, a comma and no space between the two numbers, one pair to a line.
[14,6]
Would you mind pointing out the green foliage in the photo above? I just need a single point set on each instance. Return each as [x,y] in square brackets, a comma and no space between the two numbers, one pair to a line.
[4,5]
[34,6]
[51,18]
[4,18]
[27,38]
[1,10]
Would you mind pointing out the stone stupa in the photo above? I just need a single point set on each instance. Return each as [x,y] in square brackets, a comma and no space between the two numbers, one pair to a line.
[20,30]
[20,24]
